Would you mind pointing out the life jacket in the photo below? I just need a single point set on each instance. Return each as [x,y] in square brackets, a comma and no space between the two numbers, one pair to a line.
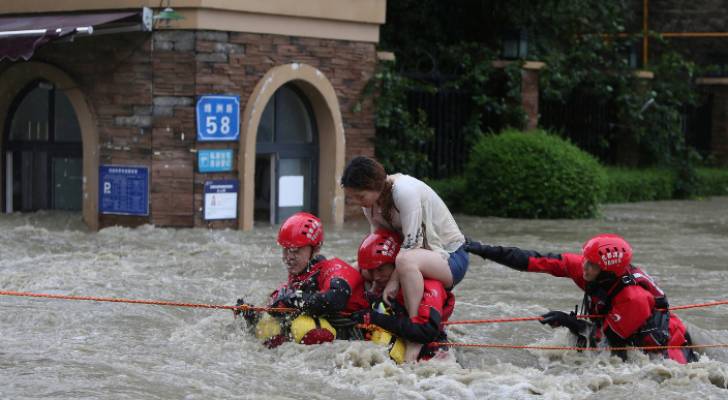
[437,303]
[597,300]
[638,298]
[317,278]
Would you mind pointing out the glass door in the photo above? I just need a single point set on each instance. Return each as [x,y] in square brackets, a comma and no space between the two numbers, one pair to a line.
[43,156]
[286,157]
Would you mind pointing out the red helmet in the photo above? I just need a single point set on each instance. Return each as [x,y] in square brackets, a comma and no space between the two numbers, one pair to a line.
[380,247]
[610,252]
[301,229]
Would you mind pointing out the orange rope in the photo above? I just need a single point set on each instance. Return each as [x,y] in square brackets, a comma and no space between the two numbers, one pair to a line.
[710,304]
[151,302]
[513,346]
[491,321]
[282,309]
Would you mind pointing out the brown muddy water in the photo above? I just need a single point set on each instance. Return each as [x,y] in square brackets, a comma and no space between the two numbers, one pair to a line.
[54,349]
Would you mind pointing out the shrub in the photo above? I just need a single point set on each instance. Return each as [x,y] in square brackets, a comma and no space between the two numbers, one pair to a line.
[712,182]
[532,175]
[452,191]
[629,185]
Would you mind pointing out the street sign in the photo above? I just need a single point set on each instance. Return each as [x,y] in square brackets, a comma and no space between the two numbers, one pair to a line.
[218,118]
[124,190]
[221,199]
[215,160]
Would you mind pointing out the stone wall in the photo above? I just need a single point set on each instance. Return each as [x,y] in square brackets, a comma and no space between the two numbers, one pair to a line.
[142,89]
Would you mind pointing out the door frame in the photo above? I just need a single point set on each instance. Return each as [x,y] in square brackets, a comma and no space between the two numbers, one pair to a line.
[321,95]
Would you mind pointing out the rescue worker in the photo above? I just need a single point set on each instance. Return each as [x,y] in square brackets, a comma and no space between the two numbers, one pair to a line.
[632,308]
[324,292]
[377,255]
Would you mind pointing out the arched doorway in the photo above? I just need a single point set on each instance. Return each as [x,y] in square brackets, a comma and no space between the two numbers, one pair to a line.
[286,157]
[316,90]
[43,154]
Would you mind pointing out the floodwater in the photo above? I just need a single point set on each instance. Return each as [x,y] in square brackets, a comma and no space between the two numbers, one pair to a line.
[63,349]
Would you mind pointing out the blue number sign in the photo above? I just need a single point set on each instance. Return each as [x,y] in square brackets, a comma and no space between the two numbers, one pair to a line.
[218,118]
[215,160]
[123,190]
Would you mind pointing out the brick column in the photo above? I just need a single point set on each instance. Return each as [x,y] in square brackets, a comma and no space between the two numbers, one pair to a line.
[529,89]
[529,93]
[719,134]
[173,129]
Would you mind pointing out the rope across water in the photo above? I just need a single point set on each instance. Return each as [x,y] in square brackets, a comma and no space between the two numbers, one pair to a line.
[449,344]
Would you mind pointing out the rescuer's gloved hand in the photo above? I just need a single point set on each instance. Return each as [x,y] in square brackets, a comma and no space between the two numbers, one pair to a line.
[251,316]
[290,298]
[555,319]
[362,317]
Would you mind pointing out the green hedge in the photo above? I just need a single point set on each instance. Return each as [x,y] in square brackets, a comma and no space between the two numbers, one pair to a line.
[623,185]
[630,185]
[452,191]
[712,182]
[532,175]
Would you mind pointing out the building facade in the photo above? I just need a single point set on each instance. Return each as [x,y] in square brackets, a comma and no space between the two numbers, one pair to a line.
[87,104]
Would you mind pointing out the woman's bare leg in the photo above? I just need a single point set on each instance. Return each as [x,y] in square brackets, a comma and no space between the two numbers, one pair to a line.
[413,266]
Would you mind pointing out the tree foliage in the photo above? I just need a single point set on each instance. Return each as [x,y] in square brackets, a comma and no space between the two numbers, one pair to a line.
[586,47]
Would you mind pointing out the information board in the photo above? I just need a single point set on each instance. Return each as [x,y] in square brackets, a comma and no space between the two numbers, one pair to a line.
[124,190]
[221,199]
[218,118]
[215,160]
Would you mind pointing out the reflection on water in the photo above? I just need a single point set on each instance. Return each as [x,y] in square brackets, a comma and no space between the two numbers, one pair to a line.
[71,349]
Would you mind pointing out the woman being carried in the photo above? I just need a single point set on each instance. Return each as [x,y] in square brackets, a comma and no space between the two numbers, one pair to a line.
[432,244]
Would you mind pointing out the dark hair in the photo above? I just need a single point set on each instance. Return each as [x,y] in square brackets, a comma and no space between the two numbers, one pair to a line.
[365,173]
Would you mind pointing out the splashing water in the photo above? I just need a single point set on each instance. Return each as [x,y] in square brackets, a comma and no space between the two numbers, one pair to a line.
[76,350]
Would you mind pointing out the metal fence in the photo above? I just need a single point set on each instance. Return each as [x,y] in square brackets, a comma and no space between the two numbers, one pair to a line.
[586,120]
[447,112]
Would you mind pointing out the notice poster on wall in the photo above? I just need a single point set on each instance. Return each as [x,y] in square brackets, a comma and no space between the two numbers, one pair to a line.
[124,190]
[215,160]
[290,191]
[221,199]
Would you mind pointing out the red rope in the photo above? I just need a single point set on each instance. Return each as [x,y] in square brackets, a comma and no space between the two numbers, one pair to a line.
[512,346]
[281,309]
[151,302]
[710,304]
[491,321]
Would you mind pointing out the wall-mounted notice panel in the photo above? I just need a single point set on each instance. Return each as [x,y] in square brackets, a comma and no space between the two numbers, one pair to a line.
[215,160]
[124,190]
[221,199]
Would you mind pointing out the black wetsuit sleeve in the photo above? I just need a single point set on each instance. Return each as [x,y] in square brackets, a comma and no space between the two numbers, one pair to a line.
[330,301]
[402,326]
[511,257]
[615,341]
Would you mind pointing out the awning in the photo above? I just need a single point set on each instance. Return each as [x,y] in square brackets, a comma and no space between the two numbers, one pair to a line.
[21,35]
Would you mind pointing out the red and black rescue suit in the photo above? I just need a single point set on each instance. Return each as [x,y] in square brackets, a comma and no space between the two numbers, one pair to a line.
[633,307]
[426,327]
[331,289]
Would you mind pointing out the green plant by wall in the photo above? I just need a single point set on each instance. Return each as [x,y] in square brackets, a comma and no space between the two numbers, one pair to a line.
[401,135]
[532,175]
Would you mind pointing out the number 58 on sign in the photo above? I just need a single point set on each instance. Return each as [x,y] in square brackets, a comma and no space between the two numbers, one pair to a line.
[218,118]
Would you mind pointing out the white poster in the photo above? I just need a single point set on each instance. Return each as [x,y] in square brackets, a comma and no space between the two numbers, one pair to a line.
[221,205]
[290,191]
